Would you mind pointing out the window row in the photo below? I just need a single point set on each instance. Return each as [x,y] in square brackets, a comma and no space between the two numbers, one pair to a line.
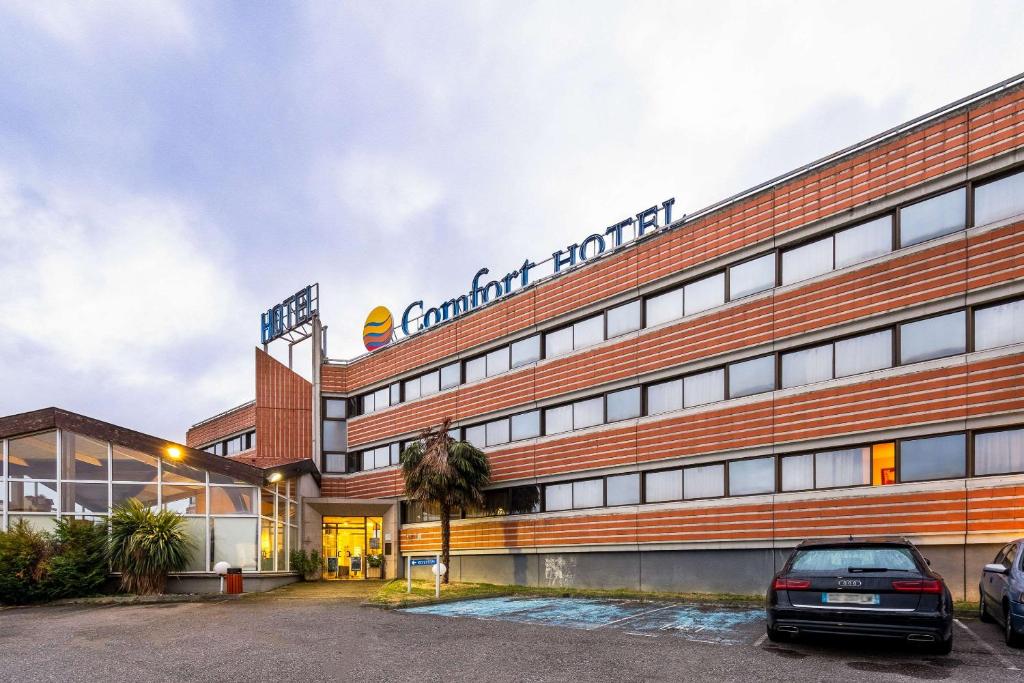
[945,456]
[907,225]
[233,445]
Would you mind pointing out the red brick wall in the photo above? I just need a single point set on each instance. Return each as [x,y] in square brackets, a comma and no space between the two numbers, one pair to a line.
[232,422]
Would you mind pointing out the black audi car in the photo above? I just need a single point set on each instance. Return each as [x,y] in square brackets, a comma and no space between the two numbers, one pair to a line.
[870,587]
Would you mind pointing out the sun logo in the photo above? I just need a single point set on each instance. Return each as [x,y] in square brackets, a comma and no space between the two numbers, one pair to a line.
[378,328]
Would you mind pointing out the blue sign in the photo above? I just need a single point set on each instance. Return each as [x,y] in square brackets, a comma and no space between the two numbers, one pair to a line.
[423,561]
[294,311]
[415,318]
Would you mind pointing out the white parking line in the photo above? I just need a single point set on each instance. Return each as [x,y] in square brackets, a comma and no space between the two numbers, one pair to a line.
[1003,660]
[757,643]
[631,616]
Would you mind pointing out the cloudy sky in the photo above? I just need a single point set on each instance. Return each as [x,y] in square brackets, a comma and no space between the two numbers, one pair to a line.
[168,170]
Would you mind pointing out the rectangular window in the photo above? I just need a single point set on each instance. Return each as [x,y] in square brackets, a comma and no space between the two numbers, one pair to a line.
[747,477]
[623,489]
[588,494]
[706,481]
[662,486]
[381,398]
[395,451]
[334,462]
[807,366]
[663,307]
[999,199]
[752,376]
[943,335]
[587,413]
[558,420]
[558,343]
[525,425]
[381,456]
[999,452]
[624,318]
[935,457]
[798,472]
[703,294]
[999,325]
[335,408]
[368,403]
[497,361]
[704,387]
[412,389]
[526,351]
[476,368]
[430,383]
[863,242]
[864,353]
[588,332]
[82,458]
[807,261]
[623,405]
[335,433]
[752,276]
[664,397]
[396,393]
[497,432]
[557,497]
[367,460]
[450,375]
[476,435]
[848,467]
[933,217]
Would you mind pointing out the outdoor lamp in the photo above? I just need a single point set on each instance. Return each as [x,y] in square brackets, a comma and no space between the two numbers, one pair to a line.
[173,452]
[274,477]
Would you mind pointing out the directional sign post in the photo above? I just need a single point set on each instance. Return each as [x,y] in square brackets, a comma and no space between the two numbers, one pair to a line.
[434,561]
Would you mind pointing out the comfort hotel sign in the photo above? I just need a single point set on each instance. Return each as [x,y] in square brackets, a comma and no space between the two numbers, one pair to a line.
[481,291]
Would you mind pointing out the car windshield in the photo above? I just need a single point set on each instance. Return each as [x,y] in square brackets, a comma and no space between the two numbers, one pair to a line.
[863,558]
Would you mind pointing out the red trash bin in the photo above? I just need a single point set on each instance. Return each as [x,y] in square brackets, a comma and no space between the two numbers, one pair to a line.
[233,581]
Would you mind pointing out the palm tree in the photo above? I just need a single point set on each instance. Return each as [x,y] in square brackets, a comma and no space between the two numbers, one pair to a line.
[448,473]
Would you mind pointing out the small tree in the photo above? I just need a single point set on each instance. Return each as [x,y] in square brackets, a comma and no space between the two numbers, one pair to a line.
[450,474]
[145,546]
[78,563]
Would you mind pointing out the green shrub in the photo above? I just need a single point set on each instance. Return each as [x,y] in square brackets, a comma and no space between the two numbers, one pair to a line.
[23,555]
[78,561]
[145,546]
[307,564]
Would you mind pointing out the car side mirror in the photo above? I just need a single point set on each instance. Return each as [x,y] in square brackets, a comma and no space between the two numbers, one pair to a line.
[995,568]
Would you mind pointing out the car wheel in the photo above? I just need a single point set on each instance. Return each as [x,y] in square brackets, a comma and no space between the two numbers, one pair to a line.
[983,614]
[943,647]
[1013,639]
[776,636]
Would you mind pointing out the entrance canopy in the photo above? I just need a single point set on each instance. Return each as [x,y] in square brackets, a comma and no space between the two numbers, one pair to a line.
[349,507]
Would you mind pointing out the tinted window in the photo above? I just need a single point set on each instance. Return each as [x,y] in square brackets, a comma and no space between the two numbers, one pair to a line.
[937,457]
[526,351]
[588,332]
[863,242]
[807,261]
[999,325]
[704,387]
[999,199]
[430,383]
[497,361]
[848,467]
[664,307]
[752,277]
[412,389]
[704,294]
[933,217]
[841,559]
[450,376]
[661,486]
[752,376]
[588,494]
[664,397]
[334,435]
[624,489]
[477,435]
[864,353]
[751,476]
[943,335]
[558,342]
[624,318]
[623,405]
[396,393]
[587,413]
[335,407]
[497,432]
[798,472]
[999,452]
[476,368]
[526,425]
[558,497]
[558,420]
[381,398]
[807,366]
[707,481]
[368,403]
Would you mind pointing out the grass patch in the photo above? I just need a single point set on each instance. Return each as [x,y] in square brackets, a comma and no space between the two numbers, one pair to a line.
[393,594]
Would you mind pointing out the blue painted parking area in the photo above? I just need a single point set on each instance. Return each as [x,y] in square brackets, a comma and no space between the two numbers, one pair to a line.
[649,619]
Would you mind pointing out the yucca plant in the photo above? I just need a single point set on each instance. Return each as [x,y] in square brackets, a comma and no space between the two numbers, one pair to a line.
[448,473]
[147,545]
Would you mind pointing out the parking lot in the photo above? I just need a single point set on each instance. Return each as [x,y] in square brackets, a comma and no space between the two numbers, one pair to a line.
[320,634]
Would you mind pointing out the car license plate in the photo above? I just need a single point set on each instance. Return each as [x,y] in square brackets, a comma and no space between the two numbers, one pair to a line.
[850,598]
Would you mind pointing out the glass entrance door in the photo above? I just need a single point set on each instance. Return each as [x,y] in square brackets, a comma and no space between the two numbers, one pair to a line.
[353,548]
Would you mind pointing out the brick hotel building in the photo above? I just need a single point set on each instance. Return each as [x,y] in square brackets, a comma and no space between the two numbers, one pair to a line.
[837,351]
